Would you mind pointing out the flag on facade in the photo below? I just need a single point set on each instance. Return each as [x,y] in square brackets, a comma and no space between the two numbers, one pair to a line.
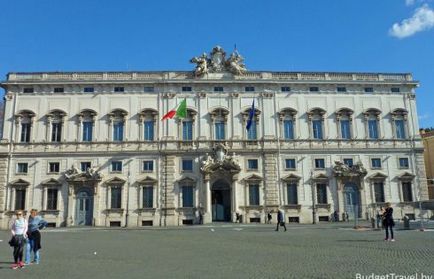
[180,111]
[251,114]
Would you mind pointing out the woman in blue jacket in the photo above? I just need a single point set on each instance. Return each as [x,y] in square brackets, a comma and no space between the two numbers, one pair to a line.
[36,223]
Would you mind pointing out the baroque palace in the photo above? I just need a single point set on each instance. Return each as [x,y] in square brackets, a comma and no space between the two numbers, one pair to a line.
[90,148]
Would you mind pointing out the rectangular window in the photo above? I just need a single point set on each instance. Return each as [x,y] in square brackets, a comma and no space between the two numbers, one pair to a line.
[87,131]
[379,191]
[290,164]
[369,89]
[28,90]
[54,167]
[52,199]
[88,90]
[187,165]
[373,128]
[116,166]
[25,132]
[116,197]
[288,129]
[20,199]
[251,133]
[291,192]
[321,193]
[187,196]
[313,89]
[187,130]
[249,89]
[317,129]
[148,166]
[219,130]
[394,89]
[148,127]
[400,129]
[58,90]
[22,168]
[407,194]
[319,164]
[285,88]
[118,131]
[148,197]
[186,89]
[56,132]
[253,194]
[376,163]
[341,89]
[148,89]
[252,164]
[119,89]
[345,129]
[403,163]
[348,162]
[84,166]
[218,89]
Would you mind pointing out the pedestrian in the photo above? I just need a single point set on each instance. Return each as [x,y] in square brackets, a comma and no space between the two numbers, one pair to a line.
[280,220]
[336,216]
[388,222]
[36,223]
[378,217]
[346,217]
[343,216]
[269,217]
[19,234]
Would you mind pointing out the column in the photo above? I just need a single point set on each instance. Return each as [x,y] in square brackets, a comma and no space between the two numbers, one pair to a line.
[71,205]
[79,128]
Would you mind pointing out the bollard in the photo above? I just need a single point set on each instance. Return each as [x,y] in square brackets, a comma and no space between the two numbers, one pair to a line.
[406,222]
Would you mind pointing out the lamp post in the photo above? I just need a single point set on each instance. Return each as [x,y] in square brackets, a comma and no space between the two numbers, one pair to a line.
[313,198]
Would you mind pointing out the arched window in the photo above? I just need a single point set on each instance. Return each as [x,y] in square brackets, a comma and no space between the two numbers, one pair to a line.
[117,119]
[316,123]
[219,117]
[24,124]
[287,123]
[252,133]
[400,128]
[147,118]
[55,121]
[86,124]
[372,120]
[344,120]
[187,125]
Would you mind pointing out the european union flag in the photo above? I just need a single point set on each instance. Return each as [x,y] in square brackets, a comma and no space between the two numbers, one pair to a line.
[251,114]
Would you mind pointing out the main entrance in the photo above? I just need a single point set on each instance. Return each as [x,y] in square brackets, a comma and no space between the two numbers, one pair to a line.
[221,201]
[352,201]
[84,208]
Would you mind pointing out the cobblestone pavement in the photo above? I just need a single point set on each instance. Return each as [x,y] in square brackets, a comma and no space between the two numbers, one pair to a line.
[225,251]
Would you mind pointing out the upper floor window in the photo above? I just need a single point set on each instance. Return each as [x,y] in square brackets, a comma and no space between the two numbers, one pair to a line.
[319,163]
[369,89]
[219,119]
[251,132]
[25,132]
[348,162]
[317,129]
[249,89]
[148,89]
[285,89]
[403,163]
[28,90]
[287,119]
[316,118]
[341,89]
[119,89]
[314,89]
[22,168]
[187,130]
[148,118]
[55,122]
[148,166]
[187,165]
[186,89]
[54,167]
[252,164]
[400,129]
[399,117]
[395,90]
[344,118]
[116,166]
[56,132]
[25,119]
[376,163]
[290,164]
[88,90]
[118,131]
[84,166]
[117,119]
[59,90]
[218,89]
[87,119]
[372,117]
[87,131]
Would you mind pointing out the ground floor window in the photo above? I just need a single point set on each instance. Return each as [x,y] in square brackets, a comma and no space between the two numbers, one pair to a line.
[20,199]
[116,197]
[291,192]
[379,191]
[187,196]
[148,197]
[253,194]
[407,194]
[321,193]
[52,199]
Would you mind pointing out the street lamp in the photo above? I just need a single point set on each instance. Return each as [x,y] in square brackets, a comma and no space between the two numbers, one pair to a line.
[313,198]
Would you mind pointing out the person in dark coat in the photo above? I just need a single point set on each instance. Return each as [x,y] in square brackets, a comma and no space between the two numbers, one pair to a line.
[388,222]
[280,220]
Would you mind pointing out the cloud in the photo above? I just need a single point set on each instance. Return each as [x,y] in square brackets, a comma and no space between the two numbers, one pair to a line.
[424,116]
[422,19]
[409,2]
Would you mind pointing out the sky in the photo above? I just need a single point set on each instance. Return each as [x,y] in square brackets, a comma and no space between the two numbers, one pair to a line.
[285,35]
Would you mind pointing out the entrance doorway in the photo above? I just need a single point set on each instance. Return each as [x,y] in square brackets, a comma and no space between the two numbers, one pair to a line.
[84,208]
[352,201]
[221,201]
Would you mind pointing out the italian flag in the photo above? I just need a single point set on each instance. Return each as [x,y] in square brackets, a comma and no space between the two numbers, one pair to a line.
[179,111]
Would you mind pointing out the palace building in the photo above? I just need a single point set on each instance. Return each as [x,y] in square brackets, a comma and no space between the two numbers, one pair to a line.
[90,148]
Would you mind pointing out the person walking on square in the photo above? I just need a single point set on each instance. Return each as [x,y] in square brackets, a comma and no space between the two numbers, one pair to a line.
[269,217]
[280,220]
[36,223]
[388,222]
[18,241]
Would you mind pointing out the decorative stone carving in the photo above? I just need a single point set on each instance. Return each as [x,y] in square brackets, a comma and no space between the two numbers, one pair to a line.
[75,174]
[220,161]
[342,170]
[216,62]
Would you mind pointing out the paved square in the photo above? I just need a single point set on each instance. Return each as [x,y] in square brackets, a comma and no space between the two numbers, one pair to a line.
[225,251]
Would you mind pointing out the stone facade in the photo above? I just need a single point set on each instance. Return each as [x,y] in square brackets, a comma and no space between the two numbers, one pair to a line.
[90,148]
[428,142]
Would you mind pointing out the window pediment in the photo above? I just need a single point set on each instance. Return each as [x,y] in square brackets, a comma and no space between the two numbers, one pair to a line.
[320,177]
[20,183]
[51,182]
[25,113]
[406,176]
[115,181]
[344,112]
[291,178]
[87,112]
[147,180]
[253,178]
[57,113]
[377,176]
